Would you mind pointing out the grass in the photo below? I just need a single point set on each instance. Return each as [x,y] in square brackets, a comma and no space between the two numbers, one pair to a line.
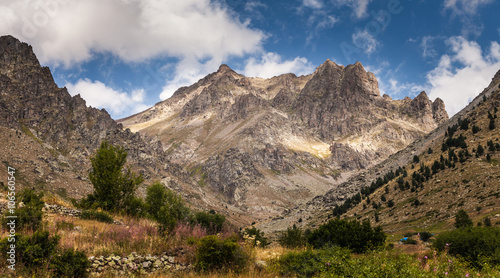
[141,236]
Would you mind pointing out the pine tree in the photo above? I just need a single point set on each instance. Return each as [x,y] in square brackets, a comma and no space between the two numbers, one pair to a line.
[462,220]
[480,150]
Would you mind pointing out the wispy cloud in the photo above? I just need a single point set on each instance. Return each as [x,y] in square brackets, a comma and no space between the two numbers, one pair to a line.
[359,7]
[365,41]
[465,7]
[427,46]
[467,11]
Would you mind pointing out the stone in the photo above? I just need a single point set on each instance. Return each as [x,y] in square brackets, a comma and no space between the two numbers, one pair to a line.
[146,264]
[157,263]
[260,265]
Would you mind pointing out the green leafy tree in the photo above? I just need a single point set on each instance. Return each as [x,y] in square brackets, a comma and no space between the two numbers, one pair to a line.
[462,220]
[156,196]
[113,186]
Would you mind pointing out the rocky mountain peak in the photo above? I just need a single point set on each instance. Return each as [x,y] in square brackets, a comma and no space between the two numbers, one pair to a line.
[18,61]
[224,69]
[327,67]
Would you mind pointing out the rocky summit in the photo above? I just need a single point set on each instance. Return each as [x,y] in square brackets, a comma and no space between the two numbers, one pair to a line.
[250,148]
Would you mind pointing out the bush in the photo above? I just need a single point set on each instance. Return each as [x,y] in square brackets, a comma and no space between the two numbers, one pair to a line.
[165,206]
[425,236]
[30,215]
[211,221]
[33,251]
[410,241]
[112,186]
[70,264]
[292,238]
[473,244]
[359,237]
[219,254]
[100,216]
[135,206]
[256,236]
[310,263]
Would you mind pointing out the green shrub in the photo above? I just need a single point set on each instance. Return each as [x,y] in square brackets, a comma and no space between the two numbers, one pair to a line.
[310,263]
[219,254]
[425,236]
[473,244]
[410,241]
[70,263]
[135,206]
[211,221]
[30,215]
[100,216]
[257,236]
[292,238]
[359,237]
[165,206]
[34,251]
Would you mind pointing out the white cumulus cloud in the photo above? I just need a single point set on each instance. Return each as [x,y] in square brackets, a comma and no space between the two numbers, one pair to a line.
[98,95]
[461,75]
[271,64]
[69,31]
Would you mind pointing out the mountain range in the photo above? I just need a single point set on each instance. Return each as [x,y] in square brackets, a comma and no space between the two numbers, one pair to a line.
[253,149]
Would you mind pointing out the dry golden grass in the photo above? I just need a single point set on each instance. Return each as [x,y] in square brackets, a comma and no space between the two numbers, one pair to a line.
[97,238]
[54,199]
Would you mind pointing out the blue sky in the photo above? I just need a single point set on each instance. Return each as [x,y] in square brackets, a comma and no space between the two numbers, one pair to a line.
[125,56]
